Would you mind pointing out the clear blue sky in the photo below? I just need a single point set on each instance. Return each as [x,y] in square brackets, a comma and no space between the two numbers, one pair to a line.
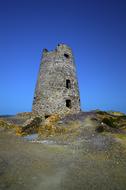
[96,31]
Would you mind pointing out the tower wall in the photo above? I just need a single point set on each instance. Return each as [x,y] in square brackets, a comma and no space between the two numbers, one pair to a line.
[57,86]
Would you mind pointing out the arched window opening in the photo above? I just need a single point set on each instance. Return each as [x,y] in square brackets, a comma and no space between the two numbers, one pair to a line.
[68,84]
[68,103]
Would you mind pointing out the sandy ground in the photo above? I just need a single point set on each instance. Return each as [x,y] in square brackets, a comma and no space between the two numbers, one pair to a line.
[94,162]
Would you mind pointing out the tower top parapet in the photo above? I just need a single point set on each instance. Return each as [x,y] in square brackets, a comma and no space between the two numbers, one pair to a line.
[59,47]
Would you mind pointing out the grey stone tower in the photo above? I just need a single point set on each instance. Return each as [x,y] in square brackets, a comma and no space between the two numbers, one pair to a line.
[57,86]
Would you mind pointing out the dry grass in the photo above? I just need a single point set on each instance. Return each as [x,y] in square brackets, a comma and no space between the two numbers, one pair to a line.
[52,128]
[52,119]
[48,128]
[19,131]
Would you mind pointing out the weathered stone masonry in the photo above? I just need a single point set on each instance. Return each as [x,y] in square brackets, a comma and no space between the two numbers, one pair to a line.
[57,86]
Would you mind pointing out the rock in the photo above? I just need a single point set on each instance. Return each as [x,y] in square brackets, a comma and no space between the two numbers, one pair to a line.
[30,126]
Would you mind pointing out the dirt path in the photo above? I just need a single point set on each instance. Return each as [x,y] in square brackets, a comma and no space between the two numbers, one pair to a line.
[96,162]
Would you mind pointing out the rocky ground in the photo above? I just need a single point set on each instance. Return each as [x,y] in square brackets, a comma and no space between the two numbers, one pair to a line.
[86,151]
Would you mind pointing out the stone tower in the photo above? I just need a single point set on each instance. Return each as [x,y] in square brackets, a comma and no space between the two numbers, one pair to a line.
[57,86]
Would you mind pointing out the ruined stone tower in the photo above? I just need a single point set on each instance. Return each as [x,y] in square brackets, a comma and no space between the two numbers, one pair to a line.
[57,86]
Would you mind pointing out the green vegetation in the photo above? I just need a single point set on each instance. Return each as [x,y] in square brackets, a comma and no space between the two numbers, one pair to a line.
[113,120]
[109,121]
[121,136]
[102,112]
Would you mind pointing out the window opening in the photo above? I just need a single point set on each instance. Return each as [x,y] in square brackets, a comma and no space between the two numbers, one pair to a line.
[68,84]
[68,103]
[66,55]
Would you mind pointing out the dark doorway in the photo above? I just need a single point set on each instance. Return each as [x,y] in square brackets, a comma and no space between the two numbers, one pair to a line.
[68,103]
[68,84]
[46,116]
